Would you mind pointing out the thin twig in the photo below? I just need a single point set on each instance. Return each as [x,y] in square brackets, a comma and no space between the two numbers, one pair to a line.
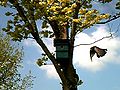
[117,29]
[95,41]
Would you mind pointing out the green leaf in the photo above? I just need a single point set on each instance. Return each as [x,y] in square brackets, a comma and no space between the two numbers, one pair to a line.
[46,34]
[8,13]
[105,1]
[118,5]
[80,82]
[4,29]
[10,21]
[44,24]
[40,62]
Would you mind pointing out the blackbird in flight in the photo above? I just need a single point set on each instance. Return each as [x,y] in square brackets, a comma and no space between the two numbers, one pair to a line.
[99,52]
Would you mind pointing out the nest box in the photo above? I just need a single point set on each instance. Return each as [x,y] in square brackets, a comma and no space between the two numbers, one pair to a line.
[62,48]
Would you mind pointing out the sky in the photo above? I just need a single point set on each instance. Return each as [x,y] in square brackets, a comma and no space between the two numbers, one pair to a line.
[100,74]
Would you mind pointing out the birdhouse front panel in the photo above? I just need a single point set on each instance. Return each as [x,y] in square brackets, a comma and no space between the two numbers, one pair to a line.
[62,55]
[62,48]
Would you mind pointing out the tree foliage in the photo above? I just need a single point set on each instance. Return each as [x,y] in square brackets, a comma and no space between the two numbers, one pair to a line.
[65,17]
[10,62]
[63,12]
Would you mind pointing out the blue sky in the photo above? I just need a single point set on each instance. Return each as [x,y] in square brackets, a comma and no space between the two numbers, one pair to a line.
[101,74]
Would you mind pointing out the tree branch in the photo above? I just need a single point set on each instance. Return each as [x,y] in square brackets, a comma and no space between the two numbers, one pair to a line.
[94,41]
[55,28]
[74,28]
[39,41]
[111,19]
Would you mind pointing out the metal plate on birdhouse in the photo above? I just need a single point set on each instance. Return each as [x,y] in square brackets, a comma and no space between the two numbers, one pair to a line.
[62,48]
[62,55]
[62,52]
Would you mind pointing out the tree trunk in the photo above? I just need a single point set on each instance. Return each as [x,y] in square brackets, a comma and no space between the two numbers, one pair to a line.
[69,88]
[70,75]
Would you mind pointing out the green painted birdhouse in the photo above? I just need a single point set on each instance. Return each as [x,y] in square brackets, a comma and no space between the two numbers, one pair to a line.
[62,48]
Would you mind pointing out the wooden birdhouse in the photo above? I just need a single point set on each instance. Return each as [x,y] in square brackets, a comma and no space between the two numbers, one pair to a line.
[62,48]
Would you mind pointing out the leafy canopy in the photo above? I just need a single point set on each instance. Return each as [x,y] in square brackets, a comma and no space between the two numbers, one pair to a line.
[10,62]
[63,12]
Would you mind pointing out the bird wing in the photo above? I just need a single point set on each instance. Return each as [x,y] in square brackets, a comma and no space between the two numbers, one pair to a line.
[92,53]
[100,52]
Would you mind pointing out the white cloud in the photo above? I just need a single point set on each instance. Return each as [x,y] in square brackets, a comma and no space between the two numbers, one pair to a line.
[50,71]
[81,56]
[30,42]
[81,53]
[47,41]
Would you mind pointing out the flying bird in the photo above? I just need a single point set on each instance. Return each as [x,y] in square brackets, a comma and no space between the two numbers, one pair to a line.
[99,52]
